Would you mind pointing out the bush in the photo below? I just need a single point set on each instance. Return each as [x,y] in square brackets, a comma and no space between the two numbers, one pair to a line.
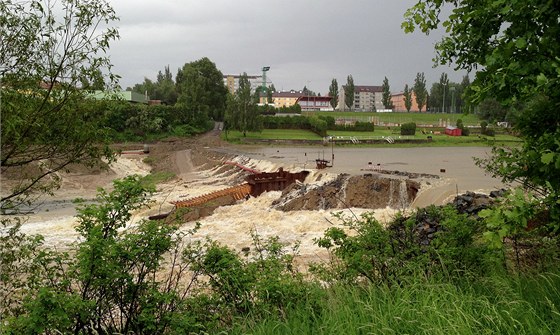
[318,126]
[285,122]
[464,130]
[489,132]
[408,128]
[435,242]
[329,120]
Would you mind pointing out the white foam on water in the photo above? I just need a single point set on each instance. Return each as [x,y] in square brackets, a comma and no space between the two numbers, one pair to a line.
[232,225]
[229,225]
[126,166]
[58,232]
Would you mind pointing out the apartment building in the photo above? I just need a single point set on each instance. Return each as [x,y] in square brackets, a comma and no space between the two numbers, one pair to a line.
[232,82]
[366,99]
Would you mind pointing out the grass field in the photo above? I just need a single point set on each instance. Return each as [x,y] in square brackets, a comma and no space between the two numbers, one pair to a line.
[378,134]
[418,118]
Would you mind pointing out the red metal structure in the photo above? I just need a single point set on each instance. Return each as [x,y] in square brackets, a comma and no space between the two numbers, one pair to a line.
[453,131]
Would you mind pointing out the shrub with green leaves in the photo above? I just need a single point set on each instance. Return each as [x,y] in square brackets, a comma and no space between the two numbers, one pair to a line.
[408,128]
[116,281]
[436,241]
[262,282]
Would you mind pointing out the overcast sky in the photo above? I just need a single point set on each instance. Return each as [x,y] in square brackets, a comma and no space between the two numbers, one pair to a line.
[305,43]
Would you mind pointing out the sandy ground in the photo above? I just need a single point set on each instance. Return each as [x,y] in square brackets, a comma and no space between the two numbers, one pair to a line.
[199,169]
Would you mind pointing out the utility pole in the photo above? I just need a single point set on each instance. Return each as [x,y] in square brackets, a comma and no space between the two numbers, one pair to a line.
[443,101]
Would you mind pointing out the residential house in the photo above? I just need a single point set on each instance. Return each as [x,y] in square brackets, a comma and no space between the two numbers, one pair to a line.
[315,103]
[285,99]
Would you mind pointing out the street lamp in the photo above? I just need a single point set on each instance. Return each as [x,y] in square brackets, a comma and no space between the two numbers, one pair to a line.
[452,89]
[263,87]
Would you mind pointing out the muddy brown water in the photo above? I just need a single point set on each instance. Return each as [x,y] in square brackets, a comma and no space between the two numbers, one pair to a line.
[455,165]
[231,225]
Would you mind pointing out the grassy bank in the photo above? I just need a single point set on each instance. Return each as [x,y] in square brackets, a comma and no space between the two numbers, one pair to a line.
[381,134]
[418,118]
[495,305]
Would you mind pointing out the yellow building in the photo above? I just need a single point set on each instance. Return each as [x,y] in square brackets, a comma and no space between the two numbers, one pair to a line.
[285,99]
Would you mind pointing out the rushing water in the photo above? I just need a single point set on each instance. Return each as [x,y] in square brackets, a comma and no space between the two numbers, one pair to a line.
[232,225]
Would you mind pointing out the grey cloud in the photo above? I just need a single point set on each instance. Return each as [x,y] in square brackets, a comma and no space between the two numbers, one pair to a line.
[304,42]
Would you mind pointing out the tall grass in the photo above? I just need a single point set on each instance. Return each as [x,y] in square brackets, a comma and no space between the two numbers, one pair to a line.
[494,305]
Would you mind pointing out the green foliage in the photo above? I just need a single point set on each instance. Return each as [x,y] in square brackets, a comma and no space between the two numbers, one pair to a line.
[420,90]
[242,113]
[318,126]
[349,92]
[406,249]
[513,46]
[520,226]
[464,130]
[492,111]
[285,122]
[510,218]
[358,126]
[48,49]
[387,103]
[110,285]
[201,90]
[408,128]
[407,93]
[491,305]
[271,110]
[150,181]
[333,92]
[484,130]
[262,283]
[132,122]
[535,165]
[163,88]
[329,120]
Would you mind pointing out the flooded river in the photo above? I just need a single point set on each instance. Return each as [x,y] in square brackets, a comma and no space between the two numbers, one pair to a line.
[232,225]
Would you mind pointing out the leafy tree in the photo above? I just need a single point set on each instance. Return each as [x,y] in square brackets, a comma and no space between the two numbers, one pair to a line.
[407,93]
[333,92]
[513,45]
[115,282]
[492,111]
[49,50]
[242,113]
[387,103]
[165,87]
[420,90]
[349,92]
[95,83]
[462,103]
[147,87]
[307,92]
[436,98]
[201,90]
[269,93]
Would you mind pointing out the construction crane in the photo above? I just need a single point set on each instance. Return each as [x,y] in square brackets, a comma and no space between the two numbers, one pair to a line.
[263,86]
